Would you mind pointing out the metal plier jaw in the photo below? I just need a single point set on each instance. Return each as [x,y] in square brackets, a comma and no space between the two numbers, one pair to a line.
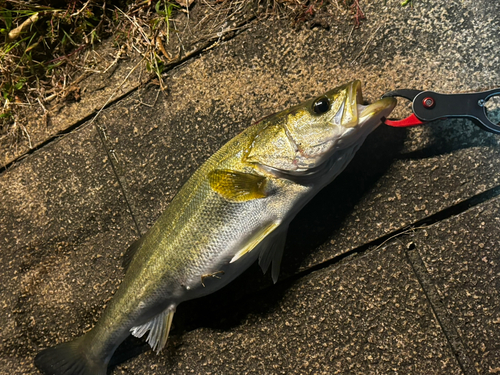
[429,106]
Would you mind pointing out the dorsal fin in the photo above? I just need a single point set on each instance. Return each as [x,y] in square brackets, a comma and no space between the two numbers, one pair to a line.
[130,252]
[158,328]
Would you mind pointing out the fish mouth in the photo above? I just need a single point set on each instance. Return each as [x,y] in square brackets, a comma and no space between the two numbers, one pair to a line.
[358,114]
[354,119]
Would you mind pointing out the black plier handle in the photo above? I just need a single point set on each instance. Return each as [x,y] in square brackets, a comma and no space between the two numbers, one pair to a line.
[429,106]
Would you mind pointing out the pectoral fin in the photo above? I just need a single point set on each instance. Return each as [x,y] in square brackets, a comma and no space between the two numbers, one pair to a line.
[158,328]
[272,252]
[237,186]
[254,240]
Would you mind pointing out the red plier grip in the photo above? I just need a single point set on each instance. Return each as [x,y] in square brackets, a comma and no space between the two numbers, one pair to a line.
[411,120]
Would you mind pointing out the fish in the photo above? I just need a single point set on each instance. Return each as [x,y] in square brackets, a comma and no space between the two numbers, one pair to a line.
[233,211]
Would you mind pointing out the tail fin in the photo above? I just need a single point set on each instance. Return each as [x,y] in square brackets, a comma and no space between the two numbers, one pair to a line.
[68,359]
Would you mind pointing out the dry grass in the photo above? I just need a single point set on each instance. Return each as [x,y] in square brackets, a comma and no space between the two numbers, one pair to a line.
[46,43]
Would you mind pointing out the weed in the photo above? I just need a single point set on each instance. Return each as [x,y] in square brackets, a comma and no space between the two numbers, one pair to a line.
[357,13]
[38,42]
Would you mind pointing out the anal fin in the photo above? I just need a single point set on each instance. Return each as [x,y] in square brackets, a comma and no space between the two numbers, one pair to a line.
[272,252]
[158,328]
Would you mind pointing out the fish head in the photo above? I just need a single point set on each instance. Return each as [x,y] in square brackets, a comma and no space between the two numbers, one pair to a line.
[300,139]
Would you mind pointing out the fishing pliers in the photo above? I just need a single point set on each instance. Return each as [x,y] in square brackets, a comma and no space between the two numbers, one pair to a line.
[429,106]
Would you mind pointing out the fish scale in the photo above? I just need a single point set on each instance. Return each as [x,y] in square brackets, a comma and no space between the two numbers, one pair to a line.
[235,209]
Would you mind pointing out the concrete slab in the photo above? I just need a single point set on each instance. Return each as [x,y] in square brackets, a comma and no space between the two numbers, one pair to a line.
[462,260]
[367,315]
[63,225]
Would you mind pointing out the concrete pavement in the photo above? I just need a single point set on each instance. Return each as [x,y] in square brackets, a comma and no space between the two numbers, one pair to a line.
[350,299]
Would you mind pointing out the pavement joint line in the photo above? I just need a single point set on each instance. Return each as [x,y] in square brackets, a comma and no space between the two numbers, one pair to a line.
[56,137]
[440,312]
[102,136]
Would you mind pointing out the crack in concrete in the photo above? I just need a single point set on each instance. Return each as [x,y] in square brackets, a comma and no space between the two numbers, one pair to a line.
[439,310]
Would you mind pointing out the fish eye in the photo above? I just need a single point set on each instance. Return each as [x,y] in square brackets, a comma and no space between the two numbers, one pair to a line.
[321,105]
